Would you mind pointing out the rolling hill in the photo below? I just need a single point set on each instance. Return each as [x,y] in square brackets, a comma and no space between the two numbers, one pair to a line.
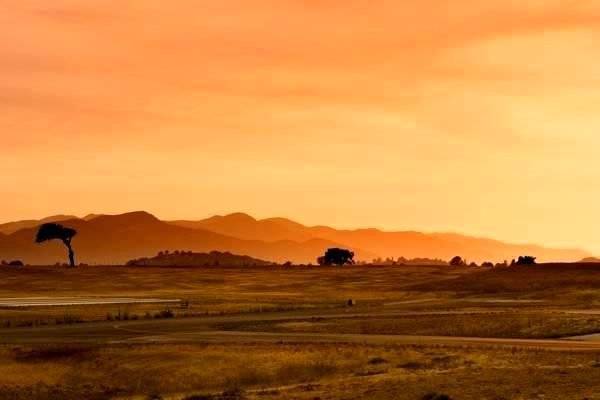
[115,239]
[12,227]
[407,244]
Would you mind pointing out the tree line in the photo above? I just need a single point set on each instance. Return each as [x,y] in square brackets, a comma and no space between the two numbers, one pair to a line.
[332,256]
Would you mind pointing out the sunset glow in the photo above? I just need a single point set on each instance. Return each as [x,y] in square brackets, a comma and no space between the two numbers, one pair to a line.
[479,117]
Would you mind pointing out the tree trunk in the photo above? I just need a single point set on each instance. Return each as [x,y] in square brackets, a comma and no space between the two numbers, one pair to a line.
[71,253]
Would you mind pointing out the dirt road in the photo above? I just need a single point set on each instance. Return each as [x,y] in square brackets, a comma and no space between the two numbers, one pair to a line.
[15,302]
[205,329]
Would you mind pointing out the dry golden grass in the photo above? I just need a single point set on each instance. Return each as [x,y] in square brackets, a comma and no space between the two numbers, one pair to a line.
[284,371]
[310,371]
[209,290]
[575,283]
[313,284]
[508,324]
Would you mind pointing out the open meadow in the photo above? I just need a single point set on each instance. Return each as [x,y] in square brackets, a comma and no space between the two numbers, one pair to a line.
[417,332]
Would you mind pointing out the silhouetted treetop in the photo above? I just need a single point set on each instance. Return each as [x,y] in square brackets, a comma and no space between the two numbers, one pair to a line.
[336,256]
[52,231]
[457,262]
[525,260]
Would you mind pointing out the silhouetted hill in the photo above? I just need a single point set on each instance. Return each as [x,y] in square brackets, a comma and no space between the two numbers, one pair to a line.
[91,216]
[244,226]
[115,239]
[191,259]
[590,260]
[407,244]
[11,227]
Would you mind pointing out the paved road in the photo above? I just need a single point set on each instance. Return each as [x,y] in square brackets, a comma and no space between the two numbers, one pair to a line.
[204,330]
[15,302]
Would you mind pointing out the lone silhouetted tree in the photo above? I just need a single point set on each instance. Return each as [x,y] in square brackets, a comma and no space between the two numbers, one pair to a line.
[457,262]
[53,231]
[525,260]
[336,256]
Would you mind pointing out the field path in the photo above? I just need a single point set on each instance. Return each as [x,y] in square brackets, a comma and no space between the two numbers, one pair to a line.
[206,330]
[15,302]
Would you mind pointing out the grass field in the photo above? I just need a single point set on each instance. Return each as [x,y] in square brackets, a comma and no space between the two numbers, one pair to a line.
[524,302]
[306,371]
[567,283]
[206,290]
[499,324]
[296,283]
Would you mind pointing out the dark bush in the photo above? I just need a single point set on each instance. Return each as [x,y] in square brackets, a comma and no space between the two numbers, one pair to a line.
[163,314]
[377,361]
[457,262]
[411,365]
[435,396]
[16,263]
[525,260]
[69,319]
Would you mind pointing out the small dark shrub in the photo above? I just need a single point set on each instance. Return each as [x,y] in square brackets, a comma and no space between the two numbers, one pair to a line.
[16,263]
[411,365]
[436,396]
[377,361]
[457,262]
[54,352]
[232,394]
[69,319]
[200,397]
[164,314]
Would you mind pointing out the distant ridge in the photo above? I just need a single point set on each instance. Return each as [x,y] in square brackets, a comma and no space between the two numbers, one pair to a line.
[407,244]
[91,216]
[115,239]
[11,227]
[590,260]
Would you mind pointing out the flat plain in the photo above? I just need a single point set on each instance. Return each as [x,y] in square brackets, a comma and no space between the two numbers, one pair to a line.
[288,332]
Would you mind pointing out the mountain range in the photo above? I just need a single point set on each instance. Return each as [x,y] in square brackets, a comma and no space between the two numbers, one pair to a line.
[115,239]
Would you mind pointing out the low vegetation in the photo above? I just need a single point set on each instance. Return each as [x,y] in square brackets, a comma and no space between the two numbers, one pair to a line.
[299,371]
[307,371]
[542,280]
[191,259]
[499,324]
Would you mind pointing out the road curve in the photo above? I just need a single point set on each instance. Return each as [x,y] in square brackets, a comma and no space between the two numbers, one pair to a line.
[202,330]
[18,302]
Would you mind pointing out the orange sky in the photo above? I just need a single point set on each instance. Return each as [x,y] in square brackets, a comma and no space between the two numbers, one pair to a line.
[473,116]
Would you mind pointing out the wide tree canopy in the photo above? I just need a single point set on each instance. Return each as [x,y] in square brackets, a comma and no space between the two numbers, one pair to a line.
[52,231]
